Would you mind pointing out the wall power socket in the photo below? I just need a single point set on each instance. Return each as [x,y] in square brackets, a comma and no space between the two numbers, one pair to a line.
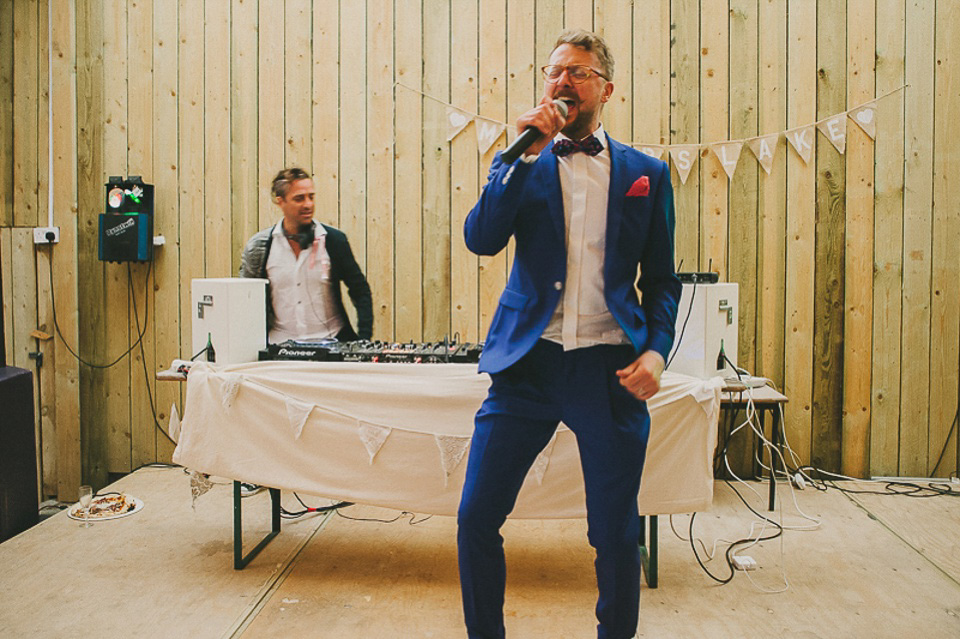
[46,234]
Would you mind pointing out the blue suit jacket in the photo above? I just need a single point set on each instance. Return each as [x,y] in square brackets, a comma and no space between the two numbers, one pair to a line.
[524,200]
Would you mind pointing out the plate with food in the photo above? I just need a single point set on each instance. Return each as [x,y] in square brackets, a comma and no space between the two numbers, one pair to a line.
[106,507]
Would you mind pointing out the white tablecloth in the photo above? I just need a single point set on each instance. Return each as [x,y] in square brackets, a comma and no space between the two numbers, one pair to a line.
[396,435]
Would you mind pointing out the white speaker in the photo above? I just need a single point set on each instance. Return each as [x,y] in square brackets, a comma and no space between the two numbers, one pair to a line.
[230,312]
[710,312]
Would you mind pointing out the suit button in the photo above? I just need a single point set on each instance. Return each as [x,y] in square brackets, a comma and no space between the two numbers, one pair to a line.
[558,286]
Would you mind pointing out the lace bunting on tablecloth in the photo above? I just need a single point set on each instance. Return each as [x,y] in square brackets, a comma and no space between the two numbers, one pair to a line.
[452,449]
[200,484]
[297,413]
[543,460]
[373,437]
[230,388]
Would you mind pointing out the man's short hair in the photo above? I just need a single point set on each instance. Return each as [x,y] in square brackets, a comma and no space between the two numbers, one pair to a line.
[286,177]
[592,43]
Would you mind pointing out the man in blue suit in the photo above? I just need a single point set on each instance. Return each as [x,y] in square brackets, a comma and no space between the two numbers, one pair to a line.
[570,340]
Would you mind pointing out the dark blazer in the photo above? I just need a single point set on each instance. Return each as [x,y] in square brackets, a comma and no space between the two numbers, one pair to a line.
[343,268]
[525,201]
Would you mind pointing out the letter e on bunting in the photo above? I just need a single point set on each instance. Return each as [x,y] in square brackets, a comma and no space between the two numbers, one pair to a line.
[836,131]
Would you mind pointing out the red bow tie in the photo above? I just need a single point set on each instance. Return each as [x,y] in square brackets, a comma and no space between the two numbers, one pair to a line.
[589,145]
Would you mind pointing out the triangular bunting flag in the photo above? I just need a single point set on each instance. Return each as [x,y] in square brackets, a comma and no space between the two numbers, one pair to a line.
[297,413]
[173,426]
[373,437]
[200,485]
[457,121]
[230,388]
[653,150]
[801,139]
[487,133]
[836,131]
[452,449]
[728,153]
[866,118]
[764,148]
[684,156]
[543,460]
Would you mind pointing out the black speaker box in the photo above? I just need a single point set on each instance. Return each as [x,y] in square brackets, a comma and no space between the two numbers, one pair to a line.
[19,507]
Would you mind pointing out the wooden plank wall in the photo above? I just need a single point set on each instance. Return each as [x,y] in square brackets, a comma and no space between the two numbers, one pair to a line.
[847,264]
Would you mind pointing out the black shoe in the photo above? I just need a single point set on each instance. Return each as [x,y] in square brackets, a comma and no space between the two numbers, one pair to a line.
[248,490]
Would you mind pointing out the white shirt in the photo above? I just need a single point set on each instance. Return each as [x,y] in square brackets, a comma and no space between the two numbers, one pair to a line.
[582,318]
[301,290]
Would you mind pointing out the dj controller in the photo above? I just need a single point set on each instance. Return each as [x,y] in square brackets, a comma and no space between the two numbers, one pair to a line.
[377,351]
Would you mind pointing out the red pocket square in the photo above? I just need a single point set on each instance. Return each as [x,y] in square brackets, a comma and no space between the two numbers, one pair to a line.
[640,188]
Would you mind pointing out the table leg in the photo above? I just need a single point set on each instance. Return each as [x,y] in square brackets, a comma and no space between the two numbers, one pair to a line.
[648,549]
[239,560]
[774,454]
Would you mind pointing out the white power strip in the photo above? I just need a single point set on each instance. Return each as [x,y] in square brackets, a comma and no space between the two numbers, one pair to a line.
[744,562]
[743,382]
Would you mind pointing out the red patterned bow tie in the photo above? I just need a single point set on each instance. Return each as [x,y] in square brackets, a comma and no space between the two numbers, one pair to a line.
[589,145]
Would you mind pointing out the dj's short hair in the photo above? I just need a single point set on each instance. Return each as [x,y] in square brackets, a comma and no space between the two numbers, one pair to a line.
[286,177]
[590,42]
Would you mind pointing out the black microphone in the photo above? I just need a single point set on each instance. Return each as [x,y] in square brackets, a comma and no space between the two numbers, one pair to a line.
[530,135]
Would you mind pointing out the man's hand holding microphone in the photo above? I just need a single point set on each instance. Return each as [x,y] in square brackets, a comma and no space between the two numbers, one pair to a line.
[538,125]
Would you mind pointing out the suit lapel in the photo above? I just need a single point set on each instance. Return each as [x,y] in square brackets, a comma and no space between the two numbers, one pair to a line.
[550,175]
[615,196]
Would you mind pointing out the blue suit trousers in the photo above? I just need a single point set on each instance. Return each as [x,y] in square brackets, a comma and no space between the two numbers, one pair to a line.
[516,421]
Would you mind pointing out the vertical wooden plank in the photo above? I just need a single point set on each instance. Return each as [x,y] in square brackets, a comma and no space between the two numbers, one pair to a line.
[140,118]
[524,80]
[6,291]
[380,223]
[118,436]
[298,68]
[192,187]
[801,209]
[714,127]
[6,112]
[742,216]
[578,14]
[945,304]
[326,106]
[353,110]
[217,158]
[167,281]
[651,73]
[437,227]
[44,376]
[464,167]
[26,77]
[829,252]
[685,125]
[492,74]
[549,24]
[243,127]
[858,270]
[270,151]
[92,340]
[25,302]
[888,241]
[614,22]
[772,117]
[917,241]
[408,173]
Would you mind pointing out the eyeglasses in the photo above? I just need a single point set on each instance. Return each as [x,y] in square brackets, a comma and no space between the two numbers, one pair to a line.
[577,73]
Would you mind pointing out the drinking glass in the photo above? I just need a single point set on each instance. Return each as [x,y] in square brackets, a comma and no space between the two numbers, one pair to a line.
[86,497]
